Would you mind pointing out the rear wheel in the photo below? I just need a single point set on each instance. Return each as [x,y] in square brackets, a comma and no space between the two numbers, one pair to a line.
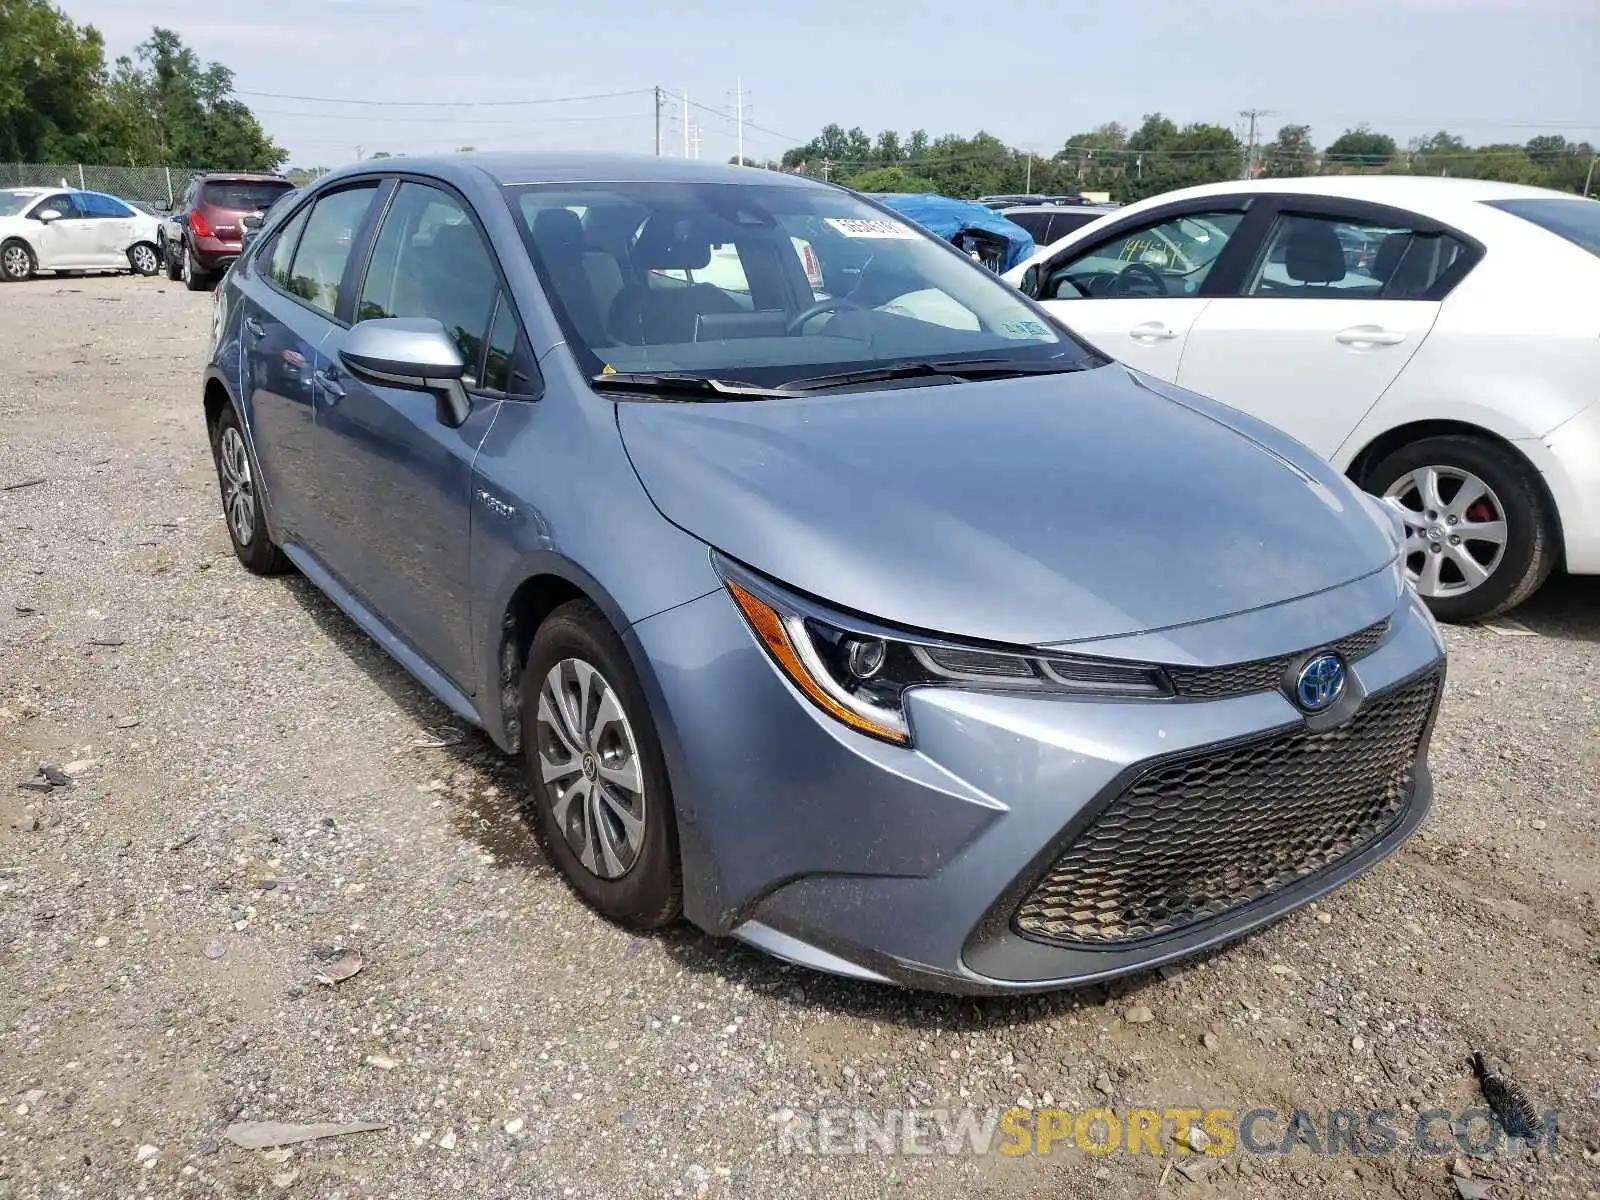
[144,259]
[602,806]
[241,500]
[194,278]
[1479,538]
[16,262]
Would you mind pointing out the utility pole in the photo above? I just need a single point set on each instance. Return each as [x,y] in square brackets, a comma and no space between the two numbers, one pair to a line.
[686,122]
[1028,186]
[358,153]
[738,119]
[1590,176]
[658,121]
[827,165]
[696,140]
[1250,149]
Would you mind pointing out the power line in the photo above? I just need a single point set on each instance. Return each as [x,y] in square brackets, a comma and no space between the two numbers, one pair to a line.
[445,103]
[515,121]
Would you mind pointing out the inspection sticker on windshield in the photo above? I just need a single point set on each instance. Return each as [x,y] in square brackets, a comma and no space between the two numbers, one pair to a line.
[1023,330]
[853,228]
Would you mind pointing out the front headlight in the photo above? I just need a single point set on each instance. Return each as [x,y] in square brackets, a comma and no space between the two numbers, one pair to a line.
[860,675]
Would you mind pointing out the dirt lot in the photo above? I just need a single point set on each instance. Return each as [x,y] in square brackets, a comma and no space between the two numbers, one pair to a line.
[248,788]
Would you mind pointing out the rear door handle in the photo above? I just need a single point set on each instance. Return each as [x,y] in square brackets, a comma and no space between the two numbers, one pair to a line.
[253,327]
[328,384]
[1368,335]
[1151,331]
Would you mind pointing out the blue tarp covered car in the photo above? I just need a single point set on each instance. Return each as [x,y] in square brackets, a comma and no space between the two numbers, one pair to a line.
[1000,243]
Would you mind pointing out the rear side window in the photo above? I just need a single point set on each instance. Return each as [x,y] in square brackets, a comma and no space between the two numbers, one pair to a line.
[1577,220]
[96,205]
[324,249]
[431,261]
[1331,258]
[1036,223]
[242,195]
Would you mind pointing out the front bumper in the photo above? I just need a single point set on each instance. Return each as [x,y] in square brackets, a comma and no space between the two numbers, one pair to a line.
[849,855]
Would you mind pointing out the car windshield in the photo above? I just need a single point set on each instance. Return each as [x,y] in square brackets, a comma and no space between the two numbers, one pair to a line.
[13,202]
[244,195]
[1577,220]
[766,284]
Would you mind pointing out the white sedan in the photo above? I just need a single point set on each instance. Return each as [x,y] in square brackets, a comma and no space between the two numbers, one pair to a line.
[61,229]
[1436,339]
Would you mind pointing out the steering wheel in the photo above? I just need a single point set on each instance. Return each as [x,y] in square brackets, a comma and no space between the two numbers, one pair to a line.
[834,304]
[1142,276]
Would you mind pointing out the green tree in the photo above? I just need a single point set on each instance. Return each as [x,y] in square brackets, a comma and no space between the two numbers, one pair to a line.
[1291,153]
[192,104]
[1360,147]
[891,179]
[51,79]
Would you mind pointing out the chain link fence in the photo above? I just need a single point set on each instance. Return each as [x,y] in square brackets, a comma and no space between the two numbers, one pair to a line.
[148,185]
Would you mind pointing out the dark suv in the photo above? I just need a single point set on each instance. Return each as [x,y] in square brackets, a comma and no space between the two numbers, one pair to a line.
[206,231]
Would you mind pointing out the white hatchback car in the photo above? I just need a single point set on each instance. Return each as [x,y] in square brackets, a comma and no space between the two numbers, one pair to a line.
[61,229]
[1436,339]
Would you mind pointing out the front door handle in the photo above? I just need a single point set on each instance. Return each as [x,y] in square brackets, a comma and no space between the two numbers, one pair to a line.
[1368,335]
[253,327]
[328,384]
[1151,331]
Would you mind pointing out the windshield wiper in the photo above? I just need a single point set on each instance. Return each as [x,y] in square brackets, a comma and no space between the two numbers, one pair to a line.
[955,368]
[694,385]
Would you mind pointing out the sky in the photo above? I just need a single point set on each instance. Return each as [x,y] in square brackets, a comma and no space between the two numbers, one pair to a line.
[437,75]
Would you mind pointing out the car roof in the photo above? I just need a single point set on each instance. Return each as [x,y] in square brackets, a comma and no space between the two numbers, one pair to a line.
[572,167]
[36,191]
[1405,191]
[241,176]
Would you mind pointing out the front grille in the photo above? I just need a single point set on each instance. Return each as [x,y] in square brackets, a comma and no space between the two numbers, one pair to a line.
[1194,838]
[1264,674]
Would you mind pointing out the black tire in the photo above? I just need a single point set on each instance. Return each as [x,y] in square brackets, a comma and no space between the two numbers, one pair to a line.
[255,549]
[17,262]
[1531,542]
[174,263]
[194,278]
[152,262]
[649,895]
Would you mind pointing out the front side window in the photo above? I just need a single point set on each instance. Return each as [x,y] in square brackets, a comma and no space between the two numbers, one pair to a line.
[500,354]
[1332,258]
[324,249]
[61,202]
[1577,219]
[765,284]
[1171,257]
[431,261]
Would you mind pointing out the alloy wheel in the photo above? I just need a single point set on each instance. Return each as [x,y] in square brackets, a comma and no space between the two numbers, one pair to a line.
[15,263]
[144,259]
[1455,529]
[589,762]
[238,491]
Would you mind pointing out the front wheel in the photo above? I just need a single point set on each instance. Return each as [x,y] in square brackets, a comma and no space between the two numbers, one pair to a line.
[16,262]
[241,499]
[171,258]
[601,803]
[144,259]
[1479,538]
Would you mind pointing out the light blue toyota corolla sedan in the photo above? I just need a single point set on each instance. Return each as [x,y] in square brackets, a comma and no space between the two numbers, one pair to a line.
[836,597]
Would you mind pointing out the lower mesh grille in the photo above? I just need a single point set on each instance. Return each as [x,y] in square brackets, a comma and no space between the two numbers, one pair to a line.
[1194,838]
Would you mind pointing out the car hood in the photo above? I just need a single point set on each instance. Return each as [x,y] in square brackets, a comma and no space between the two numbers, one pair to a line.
[1026,511]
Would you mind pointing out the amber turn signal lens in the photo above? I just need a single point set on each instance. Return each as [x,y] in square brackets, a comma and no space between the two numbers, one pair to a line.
[774,634]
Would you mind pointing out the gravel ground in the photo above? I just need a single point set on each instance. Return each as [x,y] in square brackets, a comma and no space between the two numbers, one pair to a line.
[248,792]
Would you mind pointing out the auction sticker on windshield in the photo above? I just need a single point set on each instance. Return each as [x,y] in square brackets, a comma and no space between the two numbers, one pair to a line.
[853,227]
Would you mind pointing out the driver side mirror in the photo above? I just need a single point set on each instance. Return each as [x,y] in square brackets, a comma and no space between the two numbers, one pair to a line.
[1029,284]
[410,352]
[48,214]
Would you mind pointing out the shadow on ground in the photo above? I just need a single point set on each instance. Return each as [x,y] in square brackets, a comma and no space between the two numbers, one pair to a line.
[1567,607]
